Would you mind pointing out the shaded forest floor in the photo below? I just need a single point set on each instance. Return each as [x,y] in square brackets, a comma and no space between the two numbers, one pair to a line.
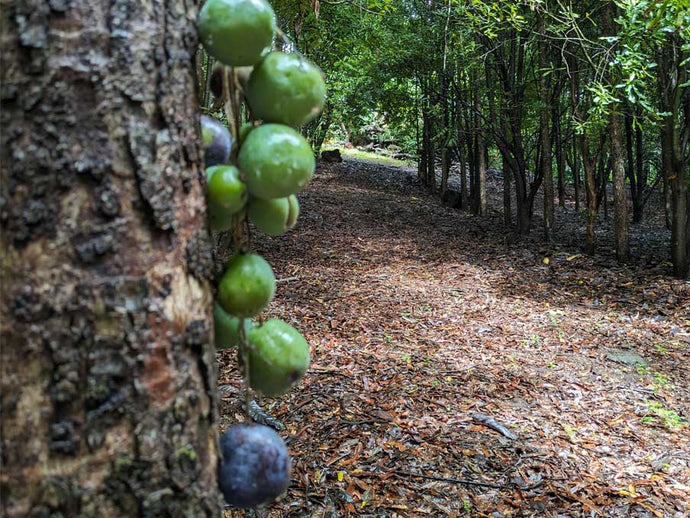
[429,327]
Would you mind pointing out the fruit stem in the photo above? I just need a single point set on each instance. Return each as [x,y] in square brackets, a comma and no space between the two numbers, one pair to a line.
[245,362]
[238,219]
[229,111]
[231,95]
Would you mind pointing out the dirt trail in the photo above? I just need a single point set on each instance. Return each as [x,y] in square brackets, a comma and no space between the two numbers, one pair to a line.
[424,321]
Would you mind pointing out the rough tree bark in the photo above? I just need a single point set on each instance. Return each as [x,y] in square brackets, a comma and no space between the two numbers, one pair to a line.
[620,198]
[107,361]
[675,140]
[479,196]
[545,133]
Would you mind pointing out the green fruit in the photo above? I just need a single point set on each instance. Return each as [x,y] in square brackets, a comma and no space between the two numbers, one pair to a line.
[222,215]
[227,328]
[276,161]
[219,219]
[245,129]
[286,88]
[225,189]
[237,32]
[247,286]
[278,357]
[274,217]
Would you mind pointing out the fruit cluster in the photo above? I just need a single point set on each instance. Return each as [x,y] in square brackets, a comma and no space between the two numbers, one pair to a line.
[254,174]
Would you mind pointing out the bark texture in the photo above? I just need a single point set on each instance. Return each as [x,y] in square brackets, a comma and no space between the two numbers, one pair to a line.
[107,361]
[620,198]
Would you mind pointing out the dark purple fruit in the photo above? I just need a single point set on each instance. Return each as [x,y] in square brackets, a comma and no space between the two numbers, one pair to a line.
[216,82]
[254,467]
[217,141]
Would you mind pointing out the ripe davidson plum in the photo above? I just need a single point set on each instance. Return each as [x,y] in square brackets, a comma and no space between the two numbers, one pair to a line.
[276,160]
[217,141]
[247,286]
[255,465]
[286,88]
[274,217]
[237,32]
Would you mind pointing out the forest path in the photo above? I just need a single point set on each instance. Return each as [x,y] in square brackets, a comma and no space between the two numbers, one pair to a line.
[422,319]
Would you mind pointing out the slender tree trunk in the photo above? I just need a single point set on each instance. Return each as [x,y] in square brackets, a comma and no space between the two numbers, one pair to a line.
[107,364]
[576,173]
[461,142]
[560,154]
[471,160]
[423,156]
[545,137]
[641,181]
[635,194]
[462,162]
[431,161]
[480,199]
[590,194]
[620,199]
[507,211]
[675,137]
[445,169]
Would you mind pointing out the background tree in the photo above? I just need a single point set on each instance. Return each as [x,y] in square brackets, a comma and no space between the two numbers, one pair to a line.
[108,382]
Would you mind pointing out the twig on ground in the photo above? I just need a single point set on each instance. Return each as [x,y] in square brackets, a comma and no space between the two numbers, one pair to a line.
[495,425]
[452,480]
[259,416]
[287,279]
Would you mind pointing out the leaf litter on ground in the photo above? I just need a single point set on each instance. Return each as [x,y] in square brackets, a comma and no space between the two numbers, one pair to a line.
[457,373]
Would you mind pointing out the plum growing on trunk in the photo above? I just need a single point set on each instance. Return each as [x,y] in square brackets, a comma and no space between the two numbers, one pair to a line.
[255,466]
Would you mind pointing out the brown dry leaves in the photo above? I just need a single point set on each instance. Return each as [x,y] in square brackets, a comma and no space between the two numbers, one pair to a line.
[419,316]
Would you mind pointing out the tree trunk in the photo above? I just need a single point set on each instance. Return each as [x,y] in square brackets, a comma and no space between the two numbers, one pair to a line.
[635,195]
[576,173]
[507,211]
[545,136]
[560,154]
[480,156]
[445,169]
[641,183]
[107,363]
[590,192]
[620,199]
[673,74]
[423,160]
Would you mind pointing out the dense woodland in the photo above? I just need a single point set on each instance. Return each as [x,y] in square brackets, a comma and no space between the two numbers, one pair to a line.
[588,100]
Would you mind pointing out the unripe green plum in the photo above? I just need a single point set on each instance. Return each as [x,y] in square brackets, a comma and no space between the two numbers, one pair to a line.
[221,215]
[274,217]
[276,161]
[245,130]
[237,32]
[278,357]
[226,328]
[225,189]
[286,88]
[247,286]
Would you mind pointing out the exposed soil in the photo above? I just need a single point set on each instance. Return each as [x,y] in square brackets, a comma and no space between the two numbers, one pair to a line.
[430,328]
